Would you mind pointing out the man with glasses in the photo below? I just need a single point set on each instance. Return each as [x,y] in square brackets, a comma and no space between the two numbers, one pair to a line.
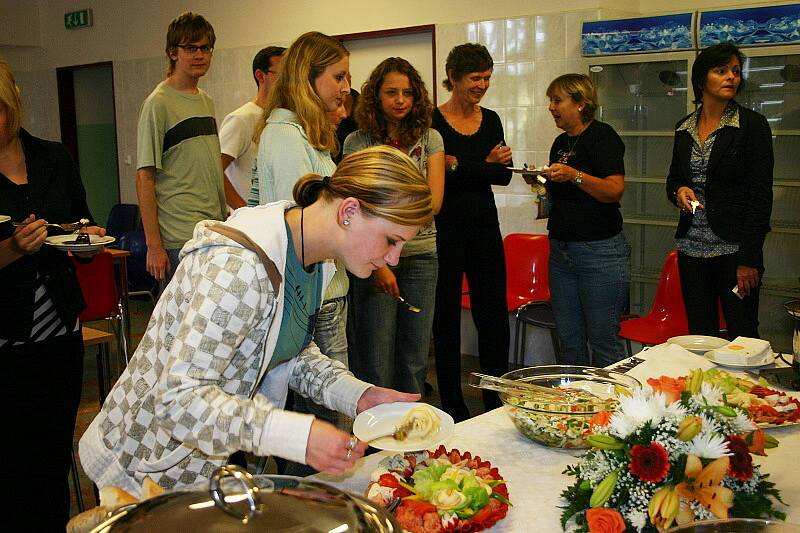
[236,132]
[179,180]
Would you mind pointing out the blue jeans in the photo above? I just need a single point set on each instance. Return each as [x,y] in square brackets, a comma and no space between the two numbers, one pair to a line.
[589,290]
[329,335]
[392,342]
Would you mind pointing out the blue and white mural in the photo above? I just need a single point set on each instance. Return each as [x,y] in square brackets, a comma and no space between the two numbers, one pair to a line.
[644,34]
[751,26]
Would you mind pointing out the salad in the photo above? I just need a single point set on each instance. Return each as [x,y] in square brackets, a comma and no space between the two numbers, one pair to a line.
[439,491]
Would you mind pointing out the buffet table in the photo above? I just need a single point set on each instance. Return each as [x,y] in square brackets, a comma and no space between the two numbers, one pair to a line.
[534,472]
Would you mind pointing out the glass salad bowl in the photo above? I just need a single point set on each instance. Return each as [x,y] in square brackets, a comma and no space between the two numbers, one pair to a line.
[581,397]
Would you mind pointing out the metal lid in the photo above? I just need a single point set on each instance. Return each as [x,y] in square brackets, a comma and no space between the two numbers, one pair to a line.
[235,500]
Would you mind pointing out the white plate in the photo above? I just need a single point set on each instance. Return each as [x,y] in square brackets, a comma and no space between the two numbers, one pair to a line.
[383,419]
[767,360]
[698,344]
[4,218]
[62,242]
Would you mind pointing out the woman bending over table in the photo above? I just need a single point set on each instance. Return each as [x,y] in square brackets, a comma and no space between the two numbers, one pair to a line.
[234,330]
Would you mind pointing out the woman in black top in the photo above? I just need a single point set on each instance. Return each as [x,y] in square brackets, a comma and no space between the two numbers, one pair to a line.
[468,236]
[589,256]
[41,347]
[723,161]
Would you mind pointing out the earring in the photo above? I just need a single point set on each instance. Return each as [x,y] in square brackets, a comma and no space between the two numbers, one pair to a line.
[346,222]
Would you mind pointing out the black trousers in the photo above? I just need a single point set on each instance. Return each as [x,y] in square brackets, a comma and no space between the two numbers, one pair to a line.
[42,392]
[706,280]
[478,252]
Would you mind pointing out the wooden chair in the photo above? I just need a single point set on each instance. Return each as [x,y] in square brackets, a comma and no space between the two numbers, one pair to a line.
[101,339]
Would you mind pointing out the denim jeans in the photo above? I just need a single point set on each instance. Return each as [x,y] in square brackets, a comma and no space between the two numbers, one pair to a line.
[589,290]
[392,341]
[329,335]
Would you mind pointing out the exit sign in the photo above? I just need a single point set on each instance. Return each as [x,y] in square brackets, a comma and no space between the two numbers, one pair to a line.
[78,19]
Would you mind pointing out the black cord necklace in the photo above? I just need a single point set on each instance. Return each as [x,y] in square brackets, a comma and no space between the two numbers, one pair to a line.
[302,240]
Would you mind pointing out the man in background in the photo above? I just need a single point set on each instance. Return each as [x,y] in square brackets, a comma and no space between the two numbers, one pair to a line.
[236,132]
[179,180]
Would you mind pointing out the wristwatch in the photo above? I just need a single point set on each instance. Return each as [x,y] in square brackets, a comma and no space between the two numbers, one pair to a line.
[578,178]
[453,166]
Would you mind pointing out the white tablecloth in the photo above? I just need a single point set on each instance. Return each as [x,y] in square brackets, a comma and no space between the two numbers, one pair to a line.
[534,472]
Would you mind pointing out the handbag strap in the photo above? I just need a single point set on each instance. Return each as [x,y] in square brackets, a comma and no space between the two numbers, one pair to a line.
[240,237]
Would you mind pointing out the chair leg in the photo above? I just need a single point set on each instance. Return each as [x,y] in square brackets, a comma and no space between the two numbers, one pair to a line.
[517,348]
[556,345]
[523,346]
[76,481]
[628,347]
[103,370]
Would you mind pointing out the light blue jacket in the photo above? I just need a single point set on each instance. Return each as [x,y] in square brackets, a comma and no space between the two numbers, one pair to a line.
[284,154]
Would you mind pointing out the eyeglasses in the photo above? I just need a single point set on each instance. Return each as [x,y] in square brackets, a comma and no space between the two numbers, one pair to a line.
[193,49]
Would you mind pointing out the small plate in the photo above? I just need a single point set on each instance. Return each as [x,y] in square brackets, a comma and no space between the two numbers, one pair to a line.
[382,420]
[4,218]
[698,344]
[767,360]
[528,170]
[62,242]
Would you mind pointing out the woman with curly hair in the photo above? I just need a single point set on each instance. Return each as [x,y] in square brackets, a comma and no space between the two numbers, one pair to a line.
[391,339]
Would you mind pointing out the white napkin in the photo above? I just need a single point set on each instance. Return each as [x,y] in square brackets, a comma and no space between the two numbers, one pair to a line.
[667,360]
[745,346]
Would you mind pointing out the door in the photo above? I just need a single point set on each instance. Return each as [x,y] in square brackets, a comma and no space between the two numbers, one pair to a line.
[88,129]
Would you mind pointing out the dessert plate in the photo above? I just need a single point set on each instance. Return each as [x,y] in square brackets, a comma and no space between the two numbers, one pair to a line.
[384,418]
[66,243]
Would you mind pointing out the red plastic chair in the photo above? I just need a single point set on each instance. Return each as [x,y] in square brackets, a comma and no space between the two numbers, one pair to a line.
[527,285]
[667,317]
[99,288]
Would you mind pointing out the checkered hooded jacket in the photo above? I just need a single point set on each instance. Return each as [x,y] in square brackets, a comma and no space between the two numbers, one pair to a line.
[199,386]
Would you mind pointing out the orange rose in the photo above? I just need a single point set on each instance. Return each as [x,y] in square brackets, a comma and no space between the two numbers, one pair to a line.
[671,387]
[605,520]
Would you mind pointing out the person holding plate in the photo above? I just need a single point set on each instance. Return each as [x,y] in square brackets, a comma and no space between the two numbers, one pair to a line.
[589,264]
[721,179]
[468,239]
[233,332]
[40,337]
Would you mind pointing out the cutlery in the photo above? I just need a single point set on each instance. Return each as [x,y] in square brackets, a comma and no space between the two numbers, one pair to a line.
[411,308]
[64,227]
[399,433]
[483,381]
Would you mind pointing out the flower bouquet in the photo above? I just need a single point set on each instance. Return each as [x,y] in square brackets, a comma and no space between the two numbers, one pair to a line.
[659,462]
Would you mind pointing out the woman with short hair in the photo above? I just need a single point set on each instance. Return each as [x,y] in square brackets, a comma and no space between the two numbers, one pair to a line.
[589,256]
[468,238]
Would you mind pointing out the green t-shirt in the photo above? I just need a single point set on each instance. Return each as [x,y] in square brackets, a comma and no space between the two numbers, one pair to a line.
[177,134]
[302,300]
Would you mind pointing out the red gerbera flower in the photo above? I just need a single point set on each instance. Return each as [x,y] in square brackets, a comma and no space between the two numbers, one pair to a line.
[741,466]
[650,463]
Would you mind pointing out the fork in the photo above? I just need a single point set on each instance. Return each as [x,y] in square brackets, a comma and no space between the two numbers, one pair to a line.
[72,226]
[412,308]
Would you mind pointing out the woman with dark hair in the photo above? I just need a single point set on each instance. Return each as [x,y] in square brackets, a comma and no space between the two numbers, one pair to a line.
[233,331]
[721,180]
[589,256]
[392,343]
[40,337]
[468,238]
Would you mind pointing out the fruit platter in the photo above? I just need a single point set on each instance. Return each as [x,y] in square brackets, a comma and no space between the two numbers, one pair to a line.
[441,490]
[767,407]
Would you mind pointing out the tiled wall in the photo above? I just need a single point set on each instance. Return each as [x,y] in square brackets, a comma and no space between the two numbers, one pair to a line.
[528,53]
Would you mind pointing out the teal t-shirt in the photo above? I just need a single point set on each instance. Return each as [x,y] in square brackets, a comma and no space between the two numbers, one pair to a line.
[303,297]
